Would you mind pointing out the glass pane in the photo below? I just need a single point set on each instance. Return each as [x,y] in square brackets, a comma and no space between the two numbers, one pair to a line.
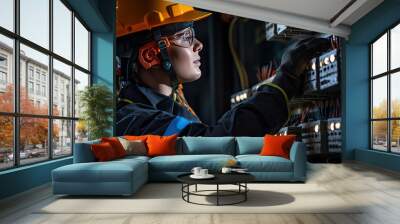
[379,135]
[6,142]
[35,21]
[34,94]
[81,81]
[395,47]
[62,89]
[395,136]
[81,45]
[81,131]
[379,56]
[6,74]
[62,29]
[7,14]
[62,138]
[33,139]
[379,97]
[395,95]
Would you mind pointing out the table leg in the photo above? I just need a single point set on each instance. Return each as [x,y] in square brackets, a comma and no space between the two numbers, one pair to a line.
[217,194]
[182,188]
[188,189]
[245,193]
[196,188]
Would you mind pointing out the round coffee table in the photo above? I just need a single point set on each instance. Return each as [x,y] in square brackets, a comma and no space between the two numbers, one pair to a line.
[238,179]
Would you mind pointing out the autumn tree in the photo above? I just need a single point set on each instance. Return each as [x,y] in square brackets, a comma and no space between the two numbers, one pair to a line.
[33,131]
[380,127]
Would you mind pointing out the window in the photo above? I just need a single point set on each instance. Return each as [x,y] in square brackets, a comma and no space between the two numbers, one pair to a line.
[62,29]
[6,89]
[385,95]
[30,72]
[3,61]
[30,87]
[47,73]
[44,91]
[7,14]
[43,77]
[3,72]
[38,89]
[38,74]
[34,21]
[81,45]
[3,78]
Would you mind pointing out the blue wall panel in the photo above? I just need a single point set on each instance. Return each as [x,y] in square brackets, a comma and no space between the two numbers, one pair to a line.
[356,84]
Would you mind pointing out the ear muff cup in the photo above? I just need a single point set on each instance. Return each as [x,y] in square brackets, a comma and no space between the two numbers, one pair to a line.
[149,55]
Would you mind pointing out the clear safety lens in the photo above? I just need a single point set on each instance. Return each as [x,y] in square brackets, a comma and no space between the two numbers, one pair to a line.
[185,38]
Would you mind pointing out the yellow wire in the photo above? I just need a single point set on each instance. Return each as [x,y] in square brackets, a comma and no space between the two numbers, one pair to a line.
[244,83]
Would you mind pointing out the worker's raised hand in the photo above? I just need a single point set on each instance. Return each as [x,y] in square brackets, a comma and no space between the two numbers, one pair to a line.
[297,56]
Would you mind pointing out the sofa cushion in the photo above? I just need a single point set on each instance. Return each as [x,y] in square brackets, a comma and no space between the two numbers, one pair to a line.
[185,163]
[133,158]
[206,145]
[249,145]
[257,163]
[116,145]
[277,145]
[111,171]
[103,152]
[135,147]
[161,145]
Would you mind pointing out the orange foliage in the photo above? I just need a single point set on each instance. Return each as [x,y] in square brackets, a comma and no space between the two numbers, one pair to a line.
[33,130]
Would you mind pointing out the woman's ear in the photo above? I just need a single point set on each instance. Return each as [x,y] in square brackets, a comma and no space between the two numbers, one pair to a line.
[149,55]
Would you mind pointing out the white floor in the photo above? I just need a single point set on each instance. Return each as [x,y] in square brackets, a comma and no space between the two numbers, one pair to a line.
[375,188]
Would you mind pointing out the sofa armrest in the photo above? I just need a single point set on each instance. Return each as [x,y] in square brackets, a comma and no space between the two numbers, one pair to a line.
[299,158]
[83,152]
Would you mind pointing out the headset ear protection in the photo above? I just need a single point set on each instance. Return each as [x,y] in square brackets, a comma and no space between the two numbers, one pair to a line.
[149,54]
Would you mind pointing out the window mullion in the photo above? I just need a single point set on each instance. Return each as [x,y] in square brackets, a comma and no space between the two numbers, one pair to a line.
[50,81]
[16,84]
[389,106]
[371,89]
[73,83]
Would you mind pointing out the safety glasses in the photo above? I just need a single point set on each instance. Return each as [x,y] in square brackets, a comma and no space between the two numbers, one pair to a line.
[185,38]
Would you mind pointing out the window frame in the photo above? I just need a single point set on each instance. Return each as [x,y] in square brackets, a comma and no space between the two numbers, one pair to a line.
[388,74]
[16,114]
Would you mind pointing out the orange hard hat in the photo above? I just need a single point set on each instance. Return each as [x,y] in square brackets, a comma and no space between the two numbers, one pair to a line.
[138,15]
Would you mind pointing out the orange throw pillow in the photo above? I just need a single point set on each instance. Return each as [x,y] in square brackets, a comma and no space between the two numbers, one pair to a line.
[161,145]
[136,137]
[103,152]
[277,145]
[116,145]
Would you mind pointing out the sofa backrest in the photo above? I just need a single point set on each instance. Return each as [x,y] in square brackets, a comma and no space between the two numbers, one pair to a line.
[83,152]
[190,146]
[249,145]
[206,145]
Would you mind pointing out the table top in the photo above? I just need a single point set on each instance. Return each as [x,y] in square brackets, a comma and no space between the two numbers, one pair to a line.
[220,178]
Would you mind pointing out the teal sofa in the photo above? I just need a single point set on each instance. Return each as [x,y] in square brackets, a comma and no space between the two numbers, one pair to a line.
[125,176]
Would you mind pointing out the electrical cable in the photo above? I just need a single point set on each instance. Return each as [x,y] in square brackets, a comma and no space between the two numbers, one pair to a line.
[244,83]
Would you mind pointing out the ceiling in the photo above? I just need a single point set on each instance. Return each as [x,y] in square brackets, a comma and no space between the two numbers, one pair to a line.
[325,16]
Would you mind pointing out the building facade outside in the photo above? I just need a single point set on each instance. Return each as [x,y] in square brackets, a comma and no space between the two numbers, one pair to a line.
[34,100]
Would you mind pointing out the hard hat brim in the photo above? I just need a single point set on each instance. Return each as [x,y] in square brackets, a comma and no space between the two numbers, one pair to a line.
[194,15]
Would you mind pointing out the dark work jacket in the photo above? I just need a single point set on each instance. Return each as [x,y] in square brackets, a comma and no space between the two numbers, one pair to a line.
[143,111]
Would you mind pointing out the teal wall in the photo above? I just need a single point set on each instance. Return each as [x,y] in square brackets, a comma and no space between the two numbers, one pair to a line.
[103,52]
[356,85]
[99,16]
[24,178]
